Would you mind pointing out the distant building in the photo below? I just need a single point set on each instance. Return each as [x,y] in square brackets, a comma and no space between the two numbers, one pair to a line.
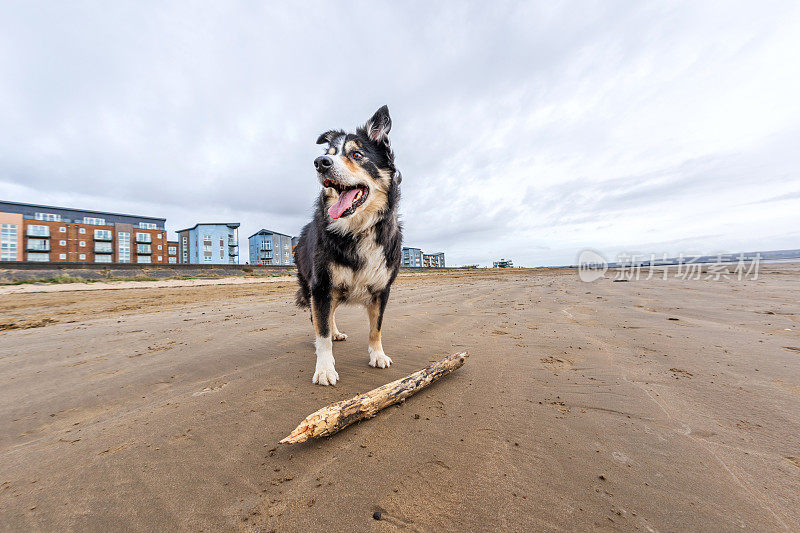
[270,248]
[172,252]
[504,263]
[412,257]
[434,260]
[209,243]
[32,232]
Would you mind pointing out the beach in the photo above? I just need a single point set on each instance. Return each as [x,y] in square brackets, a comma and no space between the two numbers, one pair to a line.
[650,405]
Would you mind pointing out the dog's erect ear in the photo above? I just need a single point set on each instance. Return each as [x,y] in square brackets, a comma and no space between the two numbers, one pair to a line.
[327,137]
[379,125]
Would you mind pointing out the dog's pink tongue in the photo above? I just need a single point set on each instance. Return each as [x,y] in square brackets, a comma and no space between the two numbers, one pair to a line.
[344,203]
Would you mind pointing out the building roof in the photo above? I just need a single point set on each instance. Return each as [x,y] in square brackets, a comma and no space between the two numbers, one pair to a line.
[5,205]
[232,225]
[267,232]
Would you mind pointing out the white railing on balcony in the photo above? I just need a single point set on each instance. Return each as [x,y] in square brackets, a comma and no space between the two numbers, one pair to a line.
[38,231]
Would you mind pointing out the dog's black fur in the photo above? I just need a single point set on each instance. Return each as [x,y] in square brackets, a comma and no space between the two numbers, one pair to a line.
[326,244]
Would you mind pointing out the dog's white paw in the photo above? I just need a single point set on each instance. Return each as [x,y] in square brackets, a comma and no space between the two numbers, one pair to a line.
[324,372]
[339,336]
[325,376]
[378,359]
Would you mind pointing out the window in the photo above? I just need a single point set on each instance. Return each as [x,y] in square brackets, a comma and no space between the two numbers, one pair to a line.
[173,250]
[102,259]
[147,225]
[47,216]
[221,256]
[62,256]
[39,257]
[124,247]
[173,259]
[81,243]
[102,234]
[62,243]
[38,245]
[94,221]
[38,231]
[159,246]
[103,247]
[158,258]
[8,242]
[82,257]
[143,237]
[158,235]
[62,229]
[143,259]
[82,230]
[142,249]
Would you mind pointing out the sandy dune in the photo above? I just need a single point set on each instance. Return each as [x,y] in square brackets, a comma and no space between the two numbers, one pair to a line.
[582,406]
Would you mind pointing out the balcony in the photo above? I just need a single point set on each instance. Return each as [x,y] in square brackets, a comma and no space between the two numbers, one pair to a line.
[233,242]
[265,246]
[233,253]
[102,235]
[38,246]
[103,248]
[144,237]
[265,255]
[144,249]
[41,232]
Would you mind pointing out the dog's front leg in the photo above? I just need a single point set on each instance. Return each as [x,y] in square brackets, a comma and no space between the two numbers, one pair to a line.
[375,309]
[324,373]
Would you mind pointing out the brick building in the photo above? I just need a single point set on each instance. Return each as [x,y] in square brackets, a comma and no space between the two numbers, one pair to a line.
[30,232]
[434,260]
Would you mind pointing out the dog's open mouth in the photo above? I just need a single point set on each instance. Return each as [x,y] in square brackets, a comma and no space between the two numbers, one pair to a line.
[350,198]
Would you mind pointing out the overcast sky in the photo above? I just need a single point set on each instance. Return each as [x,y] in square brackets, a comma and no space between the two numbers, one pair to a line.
[523,130]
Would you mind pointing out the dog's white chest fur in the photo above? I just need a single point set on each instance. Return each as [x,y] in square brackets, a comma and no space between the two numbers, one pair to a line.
[372,276]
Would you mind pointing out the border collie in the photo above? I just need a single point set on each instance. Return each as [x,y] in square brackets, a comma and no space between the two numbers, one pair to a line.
[350,252]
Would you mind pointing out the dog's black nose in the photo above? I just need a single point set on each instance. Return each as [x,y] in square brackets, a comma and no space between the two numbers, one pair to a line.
[323,163]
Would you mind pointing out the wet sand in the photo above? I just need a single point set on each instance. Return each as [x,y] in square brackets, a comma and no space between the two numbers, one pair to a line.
[582,406]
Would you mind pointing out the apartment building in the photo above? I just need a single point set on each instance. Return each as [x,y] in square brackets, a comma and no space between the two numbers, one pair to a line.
[434,260]
[32,232]
[503,263]
[271,248]
[214,243]
[412,257]
[172,252]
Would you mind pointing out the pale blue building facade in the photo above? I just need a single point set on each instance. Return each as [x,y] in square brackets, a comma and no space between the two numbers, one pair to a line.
[209,244]
[268,247]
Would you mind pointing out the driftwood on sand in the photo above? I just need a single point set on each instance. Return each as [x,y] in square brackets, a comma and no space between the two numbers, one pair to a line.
[339,415]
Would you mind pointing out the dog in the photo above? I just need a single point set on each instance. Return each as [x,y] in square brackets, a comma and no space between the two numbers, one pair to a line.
[350,252]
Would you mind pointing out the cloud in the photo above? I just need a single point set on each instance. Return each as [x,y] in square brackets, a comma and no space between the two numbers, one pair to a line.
[522,130]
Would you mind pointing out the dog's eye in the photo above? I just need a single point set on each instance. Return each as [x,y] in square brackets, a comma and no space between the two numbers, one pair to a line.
[356,155]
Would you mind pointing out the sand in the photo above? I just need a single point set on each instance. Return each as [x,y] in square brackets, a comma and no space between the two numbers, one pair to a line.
[582,406]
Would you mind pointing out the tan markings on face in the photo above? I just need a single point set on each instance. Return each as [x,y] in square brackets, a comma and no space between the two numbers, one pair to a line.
[352,145]
[332,151]
[352,168]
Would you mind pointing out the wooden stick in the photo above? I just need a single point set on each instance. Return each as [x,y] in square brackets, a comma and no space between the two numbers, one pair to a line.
[337,416]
